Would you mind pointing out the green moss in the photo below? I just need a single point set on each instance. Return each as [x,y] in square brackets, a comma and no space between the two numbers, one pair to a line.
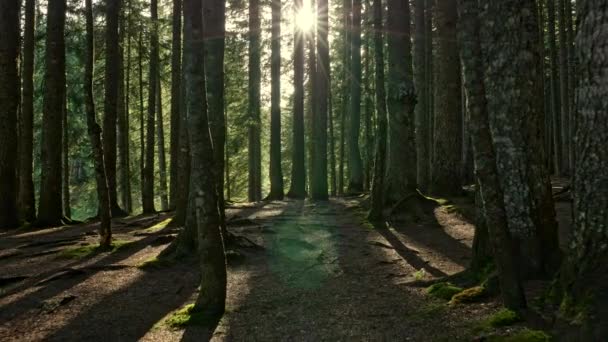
[470,295]
[187,316]
[89,250]
[443,290]
[526,335]
[158,226]
[155,263]
[503,318]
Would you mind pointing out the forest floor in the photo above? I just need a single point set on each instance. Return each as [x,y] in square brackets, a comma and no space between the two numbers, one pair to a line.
[319,272]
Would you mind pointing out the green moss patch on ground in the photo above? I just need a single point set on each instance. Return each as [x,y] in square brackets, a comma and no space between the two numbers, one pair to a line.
[186,316]
[443,290]
[89,250]
[471,295]
[525,335]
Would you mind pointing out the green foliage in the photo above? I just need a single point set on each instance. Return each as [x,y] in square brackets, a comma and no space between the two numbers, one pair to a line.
[159,226]
[470,295]
[503,317]
[526,335]
[443,290]
[81,252]
[155,263]
[187,316]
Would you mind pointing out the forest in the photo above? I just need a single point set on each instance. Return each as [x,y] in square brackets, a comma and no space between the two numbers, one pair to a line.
[306,170]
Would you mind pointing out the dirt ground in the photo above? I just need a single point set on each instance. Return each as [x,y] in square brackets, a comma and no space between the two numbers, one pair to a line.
[323,274]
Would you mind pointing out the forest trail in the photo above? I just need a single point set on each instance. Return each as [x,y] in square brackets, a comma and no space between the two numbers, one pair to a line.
[324,273]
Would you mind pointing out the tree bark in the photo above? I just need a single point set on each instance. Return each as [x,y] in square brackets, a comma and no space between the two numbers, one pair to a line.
[255,153]
[446,178]
[111,99]
[9,104]
[378,184]
[490,190]
[148,194]
[203,205]
[142,124]
[401,176]
[276,173]
[127,198]
[554,89]
[65,167]
[584,274]
[176,76]
[26,202]
[50,209]
[94,131]
[162,164]
[564,84]
[355,164]
[297,188]
[420,81]
[346,36]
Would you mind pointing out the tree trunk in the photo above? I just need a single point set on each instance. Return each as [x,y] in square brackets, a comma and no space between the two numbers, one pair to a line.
[355,164]
[584,274]
[421,113]
[111,99]
[26,120]
[298,172]
[378,185]
[65,167]
[94,131]
[9,104]
[346,36]
[319,189]
[490,191]
[554,89]
[255,153]
[50,209]
[203,206]
[564,83]
[148,194]
[310,107]
[127,199]
[512,69]
[368,101]
[276,173]
[162,164]
[142,142]
[332,145]
[401,103]
[448,115]
[176,76]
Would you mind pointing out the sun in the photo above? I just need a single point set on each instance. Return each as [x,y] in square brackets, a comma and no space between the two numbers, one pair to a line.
[306,17]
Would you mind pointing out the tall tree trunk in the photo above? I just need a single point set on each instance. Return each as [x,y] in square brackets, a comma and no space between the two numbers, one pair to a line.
[148,194]
[297,188]
[126,168]
[512,69]
[214,19]
[355,164]
[255,155]
[162,164]
[448,116]
[94,131]
[319,189]
[378,185]
[176,76]
[276,173]
[430,76]
[490,191]
[554,89]
[368,101]
[9,104]
[420,81]
[564,84]
[50,208]
[346,79]
[332,145]
[111,99]
[584,274]
[123,130]
[142,142]
[401,103]
[203,206]
[26,200]
[310,107]
[65,159]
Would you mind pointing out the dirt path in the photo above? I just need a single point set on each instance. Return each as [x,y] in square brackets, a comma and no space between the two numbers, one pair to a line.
[324,274]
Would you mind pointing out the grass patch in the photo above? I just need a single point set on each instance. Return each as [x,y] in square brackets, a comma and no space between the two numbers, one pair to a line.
[187,316]
[155,263]
[89,250]
[503,318]
[470,295]
[526,335]
[159,226]
[443,290]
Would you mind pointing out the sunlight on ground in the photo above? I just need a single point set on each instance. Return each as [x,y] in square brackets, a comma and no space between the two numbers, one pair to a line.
[158,226]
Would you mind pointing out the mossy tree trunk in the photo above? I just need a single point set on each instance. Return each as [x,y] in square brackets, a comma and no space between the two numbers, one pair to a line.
[585,272]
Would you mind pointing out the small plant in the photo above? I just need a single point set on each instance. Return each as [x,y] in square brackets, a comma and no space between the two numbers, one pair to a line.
[420,274]
[503,318]
[443,290]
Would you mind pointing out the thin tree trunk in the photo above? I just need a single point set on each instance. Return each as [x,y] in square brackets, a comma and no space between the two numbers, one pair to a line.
[297,188]
[554,89]
[420,81]
[142,142]
[50,208]
[355,164]
[65,159]
[203,206]
[148,194]
[94,131]
[332,146]
[346,34]
[126,177]
[255,186]
[26,120]
[378,185]
[9,106]
[310,108]
[564,85]
[176,75]
[368,161]
[490,191]
[276,173]
[123,131]
[162,164]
